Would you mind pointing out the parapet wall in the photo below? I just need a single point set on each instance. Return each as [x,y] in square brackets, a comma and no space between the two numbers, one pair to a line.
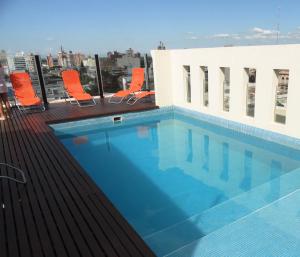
[171,87]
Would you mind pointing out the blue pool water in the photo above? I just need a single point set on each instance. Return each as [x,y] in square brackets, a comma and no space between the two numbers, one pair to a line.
[176,179]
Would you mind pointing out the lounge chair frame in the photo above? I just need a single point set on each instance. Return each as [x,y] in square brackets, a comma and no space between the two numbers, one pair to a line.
[133,99]
[79,103]
[130,93]
[73,100]
[22,108]
[110,100]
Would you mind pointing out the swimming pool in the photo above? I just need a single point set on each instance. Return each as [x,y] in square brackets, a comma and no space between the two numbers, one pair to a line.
[177,180]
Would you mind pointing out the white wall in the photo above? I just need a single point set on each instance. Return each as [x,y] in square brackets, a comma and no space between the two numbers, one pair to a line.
[169,86]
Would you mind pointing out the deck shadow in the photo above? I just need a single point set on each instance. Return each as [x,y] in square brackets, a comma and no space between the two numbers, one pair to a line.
[147,208]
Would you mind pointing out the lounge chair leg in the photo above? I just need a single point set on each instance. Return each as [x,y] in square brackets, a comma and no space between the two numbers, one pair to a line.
[87,105]
[115,102]
[134,99]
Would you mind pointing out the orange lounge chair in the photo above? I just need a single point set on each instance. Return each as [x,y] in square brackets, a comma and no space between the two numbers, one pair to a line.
[24,93]
[136,85]
[73,88]
[139,95]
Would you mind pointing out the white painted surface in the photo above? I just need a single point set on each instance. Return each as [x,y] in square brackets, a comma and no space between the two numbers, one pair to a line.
[169,86]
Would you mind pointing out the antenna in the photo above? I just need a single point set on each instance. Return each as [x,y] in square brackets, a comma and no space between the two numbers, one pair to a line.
[278,24]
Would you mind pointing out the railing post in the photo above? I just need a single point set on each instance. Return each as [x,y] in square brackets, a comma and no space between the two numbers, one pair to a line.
[41,79]
[99,77]
[146,71]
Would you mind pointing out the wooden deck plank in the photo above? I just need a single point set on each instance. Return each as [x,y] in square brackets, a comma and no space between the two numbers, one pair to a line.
[82,200]
[37,203]
[71,199]
[28,218]
[58,206]
[9,198]
[60,211]
[3,192]
[48,204]
[103,214]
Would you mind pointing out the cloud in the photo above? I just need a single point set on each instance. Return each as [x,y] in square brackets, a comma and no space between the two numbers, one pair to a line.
[259,33]
[269,34]
[263,31]
[221,35]
[191,35]
[253,34]
[237,37]
[291,35]
[257,30]
[225,36]
[49,39]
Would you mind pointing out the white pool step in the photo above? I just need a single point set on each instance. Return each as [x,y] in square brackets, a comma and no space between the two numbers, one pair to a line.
[213,219]
[270,231]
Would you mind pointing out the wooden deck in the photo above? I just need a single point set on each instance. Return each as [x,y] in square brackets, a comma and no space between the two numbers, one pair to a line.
[60,211]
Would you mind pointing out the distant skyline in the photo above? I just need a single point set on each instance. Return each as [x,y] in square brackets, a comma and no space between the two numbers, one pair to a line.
[96,26]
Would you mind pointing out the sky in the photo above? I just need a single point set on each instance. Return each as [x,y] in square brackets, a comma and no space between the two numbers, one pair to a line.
[96,26]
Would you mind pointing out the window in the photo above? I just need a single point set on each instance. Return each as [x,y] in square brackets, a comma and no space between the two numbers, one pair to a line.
[250,91]
[187,82]
[225,78]
[204,77]
[281,82]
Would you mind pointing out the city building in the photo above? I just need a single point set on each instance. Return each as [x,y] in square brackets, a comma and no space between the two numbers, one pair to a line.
[30,62]
[89,62]
[283,76]
[3,58]
[62,58]
[70,59]
[78,58]
[114,55]
[129,60]
[108,63]
[19,62]
[50,62]
[31,68]
[10,62]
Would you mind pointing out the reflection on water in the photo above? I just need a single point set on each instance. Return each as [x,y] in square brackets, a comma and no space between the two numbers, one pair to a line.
[190,146]
[143,131]
[151,174]
[234,166]
[276,171]
[206,153]
[80,140]
[225,170]
[107,141]
[246,181]
[154,136]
